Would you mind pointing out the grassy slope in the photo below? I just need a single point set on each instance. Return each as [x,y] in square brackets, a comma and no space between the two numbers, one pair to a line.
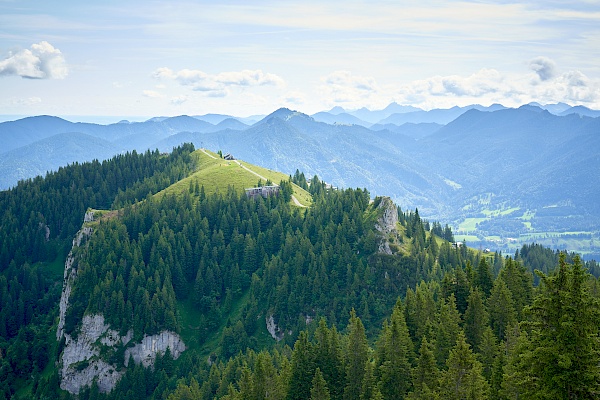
[216,174]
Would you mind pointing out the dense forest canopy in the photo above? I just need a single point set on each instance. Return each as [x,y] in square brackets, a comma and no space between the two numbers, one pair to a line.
[429,319]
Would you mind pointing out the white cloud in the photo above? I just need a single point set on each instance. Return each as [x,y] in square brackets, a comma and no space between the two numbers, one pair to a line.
[344,87]
[30,101]
[483,82]
[294,97]
[152,94]
[216,85]
[248,78]
[576,87]
[41,61]
[164,72]
[217,93]
[488,86]
[544,67]
[178,100]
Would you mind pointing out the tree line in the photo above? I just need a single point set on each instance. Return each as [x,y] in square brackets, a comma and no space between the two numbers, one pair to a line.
[353,323]
[38,219]
[428,349]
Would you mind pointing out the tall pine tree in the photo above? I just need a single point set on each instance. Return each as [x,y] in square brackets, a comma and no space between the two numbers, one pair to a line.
[394,355]
[357,354]
[463,379]
[564,341]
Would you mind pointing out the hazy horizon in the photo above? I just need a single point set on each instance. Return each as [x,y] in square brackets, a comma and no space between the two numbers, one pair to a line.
[238,58]
[111,119]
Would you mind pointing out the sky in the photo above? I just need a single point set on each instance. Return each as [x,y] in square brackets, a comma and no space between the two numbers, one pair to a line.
[163,58]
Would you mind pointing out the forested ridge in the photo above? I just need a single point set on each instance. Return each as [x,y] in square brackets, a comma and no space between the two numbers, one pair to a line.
[39,218]
[431,320]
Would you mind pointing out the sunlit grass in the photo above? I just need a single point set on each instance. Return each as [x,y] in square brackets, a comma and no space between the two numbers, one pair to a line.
[498,213]
[217,175]
[467,238]
[469,224]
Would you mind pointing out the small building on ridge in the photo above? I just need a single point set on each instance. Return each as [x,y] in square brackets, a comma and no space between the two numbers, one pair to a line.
[264,191]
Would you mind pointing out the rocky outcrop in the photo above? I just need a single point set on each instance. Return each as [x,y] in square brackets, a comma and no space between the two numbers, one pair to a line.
[389,218]
[68,277]
[81,362]
[46,230]
[386,224]
[273,328]
[145,352]
[88,217]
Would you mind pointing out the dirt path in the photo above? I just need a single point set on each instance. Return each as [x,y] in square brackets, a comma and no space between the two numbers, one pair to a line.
[249,170]
[296,202]
[294,199]
[210,155]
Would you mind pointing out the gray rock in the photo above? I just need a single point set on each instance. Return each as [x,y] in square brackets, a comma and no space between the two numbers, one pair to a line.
[146,351]
[80,362]
[386,224]
[273,328]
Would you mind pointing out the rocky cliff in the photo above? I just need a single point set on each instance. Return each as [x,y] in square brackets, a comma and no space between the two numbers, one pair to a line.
[81,362]
[71,272]
[386,224]
[84,357]
[273,328]
[145,352]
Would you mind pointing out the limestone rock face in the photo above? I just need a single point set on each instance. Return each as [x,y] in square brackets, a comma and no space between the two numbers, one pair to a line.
[386,224]
[88,217]
[146,351]
[273,328]
[68,278]
[81,361]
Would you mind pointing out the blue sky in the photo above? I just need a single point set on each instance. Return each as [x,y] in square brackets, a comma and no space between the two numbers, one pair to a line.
[148,58]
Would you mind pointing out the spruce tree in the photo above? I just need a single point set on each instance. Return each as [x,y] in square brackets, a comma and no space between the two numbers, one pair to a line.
[319,390]
[328,358]
[357,353]
[461,290]
[369,383]
[510,379]
[476,319]
[463,379]
[487,352]
[425,375]
[501,308]
[564,351]
[520,283]
[447,329]
[301,370]
[484,277]
[394,353]
[265,383]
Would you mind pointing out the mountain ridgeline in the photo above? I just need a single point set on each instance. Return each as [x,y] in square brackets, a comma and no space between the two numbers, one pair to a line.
[500,176]
[178,285]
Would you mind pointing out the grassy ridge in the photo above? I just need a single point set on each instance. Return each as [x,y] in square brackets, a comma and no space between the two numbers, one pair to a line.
[217,174]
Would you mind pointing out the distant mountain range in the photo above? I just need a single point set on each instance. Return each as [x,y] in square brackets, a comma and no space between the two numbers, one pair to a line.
[540,164]
[396,114]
